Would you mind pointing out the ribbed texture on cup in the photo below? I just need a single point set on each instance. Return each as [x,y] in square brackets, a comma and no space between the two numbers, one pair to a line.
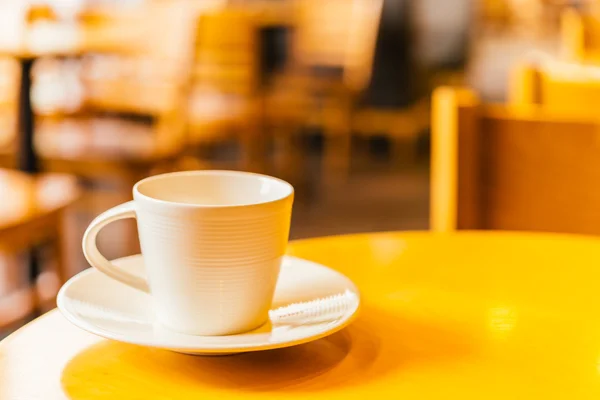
[217,242]
[211,273]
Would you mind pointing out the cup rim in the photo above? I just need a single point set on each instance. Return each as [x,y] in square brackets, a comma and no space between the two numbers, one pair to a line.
[137,193]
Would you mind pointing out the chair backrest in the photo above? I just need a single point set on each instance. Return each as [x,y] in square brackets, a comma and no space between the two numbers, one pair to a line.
[497,167]
[338,33]
[148,75]
[227,52]
[136,60]
[558,87]
[580,35]
[9,96]
[494,12]
[143,70]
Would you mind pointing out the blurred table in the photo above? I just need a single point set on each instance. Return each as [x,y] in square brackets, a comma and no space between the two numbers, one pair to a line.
[90,33]
[127,30]
[27,160]
[27,42]
[471,315]
[31,205]
[31,213]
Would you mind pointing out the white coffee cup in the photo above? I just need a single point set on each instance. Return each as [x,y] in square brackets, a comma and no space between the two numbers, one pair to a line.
[212,243]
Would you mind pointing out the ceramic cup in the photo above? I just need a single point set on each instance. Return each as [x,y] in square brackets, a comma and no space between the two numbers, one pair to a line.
[212,243]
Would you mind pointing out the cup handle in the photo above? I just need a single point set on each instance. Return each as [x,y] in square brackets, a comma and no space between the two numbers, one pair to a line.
[97,260]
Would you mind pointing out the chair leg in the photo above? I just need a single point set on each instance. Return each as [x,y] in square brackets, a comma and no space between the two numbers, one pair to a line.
[254,151]
[403,151]
[337,155]
[59,244]
[16,302]
[289,155]
[253,140]
[337,135]
[34,273]
[282,145]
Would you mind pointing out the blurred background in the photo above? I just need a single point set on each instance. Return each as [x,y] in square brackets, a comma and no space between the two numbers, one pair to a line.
[334,96]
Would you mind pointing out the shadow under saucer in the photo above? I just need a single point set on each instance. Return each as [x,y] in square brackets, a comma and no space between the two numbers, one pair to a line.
[378,346]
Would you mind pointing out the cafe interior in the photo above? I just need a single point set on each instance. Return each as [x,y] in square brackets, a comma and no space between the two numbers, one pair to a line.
[415,118]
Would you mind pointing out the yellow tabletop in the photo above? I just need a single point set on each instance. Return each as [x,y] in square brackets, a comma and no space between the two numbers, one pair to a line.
[470,315]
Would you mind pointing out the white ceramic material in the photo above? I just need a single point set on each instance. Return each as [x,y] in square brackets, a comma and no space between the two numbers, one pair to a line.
[110,309]
[213,243]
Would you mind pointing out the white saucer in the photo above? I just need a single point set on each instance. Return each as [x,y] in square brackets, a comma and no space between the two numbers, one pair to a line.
[102,306]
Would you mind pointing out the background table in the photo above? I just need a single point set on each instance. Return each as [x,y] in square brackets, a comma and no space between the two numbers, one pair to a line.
[26,44]
[32,214]
[469,315]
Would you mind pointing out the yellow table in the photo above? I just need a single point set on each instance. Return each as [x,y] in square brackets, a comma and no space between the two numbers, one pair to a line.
[470,315]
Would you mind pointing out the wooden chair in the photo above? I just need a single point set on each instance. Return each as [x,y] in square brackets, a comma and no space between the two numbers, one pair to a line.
[31,213]
[225,102]
[330,66]
[9,91]
[512,168]
[557,86]
[131,121]
[140,72]
[148,84]
[580,36]
[495,14]
[394,106]
[401,126]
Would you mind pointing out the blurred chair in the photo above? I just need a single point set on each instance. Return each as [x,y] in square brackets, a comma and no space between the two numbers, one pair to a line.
[225,102]
[9,92]
[512,168]
[533,16]
[131,117]
[31,213]
[331,61]
[394,105]
[558,87]
[125,127]
[401,125]
[494,13]
[580,36]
